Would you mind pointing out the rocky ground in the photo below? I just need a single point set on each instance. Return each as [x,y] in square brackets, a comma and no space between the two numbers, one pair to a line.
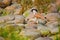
[30,25]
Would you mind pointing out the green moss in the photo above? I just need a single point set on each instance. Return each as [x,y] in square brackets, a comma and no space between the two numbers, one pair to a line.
[10,32]
[16,36]
[57,38]
[25,14]
[4,12]
[58,8]
[44,32]
[59,24]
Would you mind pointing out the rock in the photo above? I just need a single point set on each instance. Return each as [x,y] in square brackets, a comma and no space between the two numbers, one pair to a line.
[1,38]
[39,26]
[9,17]
[1,0]
[10,9]
[10,22]
[30,33]
[57,2]
[16,5]
[43,38]
[14,1]
[2,20]
[43,22]
[19,19]
[52,19]
[31,25]
[54,30]
[5,3]
[43,30]
[53,27]
[32,20]
[2,5]
[52,16]
[15,19]
[52,24]
[14,8]
[20,24]
[17,12]
[52,8]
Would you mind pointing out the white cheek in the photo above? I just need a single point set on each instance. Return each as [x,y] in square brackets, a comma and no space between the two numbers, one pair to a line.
[34,12]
